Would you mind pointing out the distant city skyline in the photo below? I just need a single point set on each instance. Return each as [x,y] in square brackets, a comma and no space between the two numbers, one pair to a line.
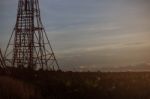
[90,34]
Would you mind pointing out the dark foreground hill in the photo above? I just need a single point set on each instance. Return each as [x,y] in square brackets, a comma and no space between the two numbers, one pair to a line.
[25,84]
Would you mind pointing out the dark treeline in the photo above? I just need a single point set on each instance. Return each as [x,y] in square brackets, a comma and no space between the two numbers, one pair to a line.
[28,84]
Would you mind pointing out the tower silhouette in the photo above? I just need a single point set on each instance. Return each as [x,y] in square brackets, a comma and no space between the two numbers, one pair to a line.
[2,62]
[29,46]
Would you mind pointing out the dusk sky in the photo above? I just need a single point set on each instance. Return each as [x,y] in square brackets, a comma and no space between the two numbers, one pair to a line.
[90,34]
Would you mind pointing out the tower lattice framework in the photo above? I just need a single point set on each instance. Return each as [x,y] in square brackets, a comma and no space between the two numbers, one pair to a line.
[2,62]
[29,46]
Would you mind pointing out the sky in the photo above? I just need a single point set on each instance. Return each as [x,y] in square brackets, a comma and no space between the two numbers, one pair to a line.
[90,34]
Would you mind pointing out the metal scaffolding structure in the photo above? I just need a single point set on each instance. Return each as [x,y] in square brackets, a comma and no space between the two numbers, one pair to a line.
[2,62]
[29,46]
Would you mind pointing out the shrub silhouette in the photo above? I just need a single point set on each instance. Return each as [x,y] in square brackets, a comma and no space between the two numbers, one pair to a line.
[11,88]
[23,84]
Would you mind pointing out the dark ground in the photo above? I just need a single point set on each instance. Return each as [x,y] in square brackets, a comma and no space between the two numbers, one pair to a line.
[25,84]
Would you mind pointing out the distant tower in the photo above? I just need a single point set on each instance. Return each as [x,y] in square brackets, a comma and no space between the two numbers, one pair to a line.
[2,62]
[29,46]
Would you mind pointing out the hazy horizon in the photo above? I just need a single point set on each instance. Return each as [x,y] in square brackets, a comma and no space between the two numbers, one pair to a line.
[90,34]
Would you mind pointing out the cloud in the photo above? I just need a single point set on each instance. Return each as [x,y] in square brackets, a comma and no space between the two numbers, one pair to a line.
[90,32]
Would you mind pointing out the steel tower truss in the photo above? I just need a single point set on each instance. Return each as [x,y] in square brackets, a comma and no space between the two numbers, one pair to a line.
[2,62]
[29,46]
